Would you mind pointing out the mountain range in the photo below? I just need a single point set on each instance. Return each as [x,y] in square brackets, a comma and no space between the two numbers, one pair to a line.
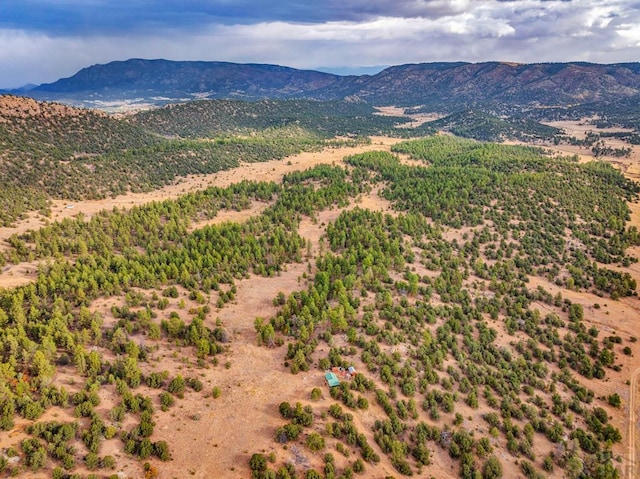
[433,86]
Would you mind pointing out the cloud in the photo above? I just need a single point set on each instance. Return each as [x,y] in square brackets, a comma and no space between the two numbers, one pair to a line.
[100,16]
[630,33]
[45,40]
[380,29]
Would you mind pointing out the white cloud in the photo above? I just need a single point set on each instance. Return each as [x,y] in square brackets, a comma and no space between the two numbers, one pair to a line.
[385,28]
[631,34]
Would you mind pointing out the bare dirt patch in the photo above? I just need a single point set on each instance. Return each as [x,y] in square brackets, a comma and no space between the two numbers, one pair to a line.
[417,119]
[232,216]
[14,275]
[244,418]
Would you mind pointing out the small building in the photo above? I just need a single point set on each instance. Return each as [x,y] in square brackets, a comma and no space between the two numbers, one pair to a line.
[332,379]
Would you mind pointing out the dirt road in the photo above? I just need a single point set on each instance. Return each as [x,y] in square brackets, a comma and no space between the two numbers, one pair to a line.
[632,424]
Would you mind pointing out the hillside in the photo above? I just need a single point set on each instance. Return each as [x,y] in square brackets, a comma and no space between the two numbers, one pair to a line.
[59,130]
[457,86]
[484,293]
[487,127]
[446,87]
[212,118]
[50,150]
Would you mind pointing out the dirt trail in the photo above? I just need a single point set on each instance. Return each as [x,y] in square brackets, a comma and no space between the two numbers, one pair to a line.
[632,424]
[634,381]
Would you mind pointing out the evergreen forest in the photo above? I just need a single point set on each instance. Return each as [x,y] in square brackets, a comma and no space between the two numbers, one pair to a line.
[452,302]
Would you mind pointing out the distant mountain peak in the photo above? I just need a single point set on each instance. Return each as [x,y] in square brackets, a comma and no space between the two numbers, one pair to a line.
[442,86]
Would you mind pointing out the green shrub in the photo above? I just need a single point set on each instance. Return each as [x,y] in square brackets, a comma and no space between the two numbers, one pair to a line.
[316,394]
[161,450]
[315,442]
[195,384]
[258,465]
[492,468]
[614,400]
[35,454]
[92,461]
[177,386]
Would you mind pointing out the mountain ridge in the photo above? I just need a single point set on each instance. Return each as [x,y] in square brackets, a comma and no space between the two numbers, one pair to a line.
[443,86]
[166,76]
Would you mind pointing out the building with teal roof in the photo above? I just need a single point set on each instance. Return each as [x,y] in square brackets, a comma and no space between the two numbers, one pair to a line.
[332,379]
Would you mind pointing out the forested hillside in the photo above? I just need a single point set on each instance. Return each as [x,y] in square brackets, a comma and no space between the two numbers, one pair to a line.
[49,150]
[486,127]
[212,118]
[443,303]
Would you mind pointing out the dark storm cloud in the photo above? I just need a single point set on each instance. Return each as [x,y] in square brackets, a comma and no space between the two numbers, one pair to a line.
[96,16]
[45,40]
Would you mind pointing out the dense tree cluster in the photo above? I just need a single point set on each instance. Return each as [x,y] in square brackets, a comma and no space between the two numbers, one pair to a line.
[483,126]
[213,118]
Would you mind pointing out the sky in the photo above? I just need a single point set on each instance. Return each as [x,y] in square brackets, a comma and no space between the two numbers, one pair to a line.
[44,40]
